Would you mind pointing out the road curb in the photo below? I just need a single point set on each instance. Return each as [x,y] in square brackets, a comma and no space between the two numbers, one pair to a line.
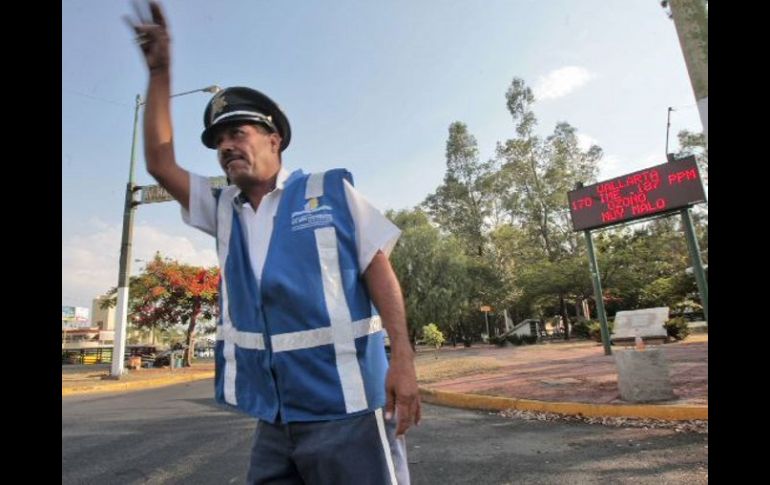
[495,403]
[118,386]
[455,400]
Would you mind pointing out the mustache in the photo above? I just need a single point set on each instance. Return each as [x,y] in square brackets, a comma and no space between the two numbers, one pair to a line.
[229,156]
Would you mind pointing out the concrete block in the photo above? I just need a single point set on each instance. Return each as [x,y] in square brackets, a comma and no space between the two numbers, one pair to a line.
[643,375]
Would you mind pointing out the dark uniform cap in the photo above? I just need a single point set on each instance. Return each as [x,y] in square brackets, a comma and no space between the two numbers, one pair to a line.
[243,104]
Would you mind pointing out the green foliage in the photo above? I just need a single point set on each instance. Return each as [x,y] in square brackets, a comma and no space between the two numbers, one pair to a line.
[693,143]
[432,270]
[595,330]
[432,335]
[582,328]
[591,329]
[460,205]
[439,281]
[498,340]
[677,328]
[684,306]
[498,232]
[644,266]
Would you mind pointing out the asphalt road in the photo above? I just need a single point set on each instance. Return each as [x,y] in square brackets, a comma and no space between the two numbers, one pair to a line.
[178,434]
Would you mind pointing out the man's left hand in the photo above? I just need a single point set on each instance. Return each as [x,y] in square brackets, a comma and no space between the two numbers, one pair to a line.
[402,394]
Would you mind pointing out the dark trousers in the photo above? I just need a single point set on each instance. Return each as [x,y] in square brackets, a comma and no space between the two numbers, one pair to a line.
[361,450]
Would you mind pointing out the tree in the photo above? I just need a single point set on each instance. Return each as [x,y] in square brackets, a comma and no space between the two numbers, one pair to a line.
[644,266]
[536,175]
[169,293]
[433,272]
[691,143]
[509,252]
[461,204]
[433,336]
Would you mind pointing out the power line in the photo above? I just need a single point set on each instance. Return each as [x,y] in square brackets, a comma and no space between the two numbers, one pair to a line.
[96,97]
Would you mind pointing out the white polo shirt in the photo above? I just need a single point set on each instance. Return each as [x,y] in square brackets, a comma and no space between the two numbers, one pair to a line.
[374,231]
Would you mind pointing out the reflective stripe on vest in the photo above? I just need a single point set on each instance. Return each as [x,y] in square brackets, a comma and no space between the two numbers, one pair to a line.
[341,323]
[225,329]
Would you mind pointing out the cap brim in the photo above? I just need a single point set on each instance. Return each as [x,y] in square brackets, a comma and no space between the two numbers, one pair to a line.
[208,135]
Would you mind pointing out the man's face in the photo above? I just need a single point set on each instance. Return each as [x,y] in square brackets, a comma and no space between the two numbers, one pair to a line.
[248,153]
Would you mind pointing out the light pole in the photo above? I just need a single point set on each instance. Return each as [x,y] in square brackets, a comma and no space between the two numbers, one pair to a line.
[121,313]
[668,126]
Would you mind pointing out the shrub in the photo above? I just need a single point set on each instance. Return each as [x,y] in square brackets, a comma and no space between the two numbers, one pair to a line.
[514,339]
[595,330]
[581,328]
[529,339]
[677,328]
[432,335]
[500,341]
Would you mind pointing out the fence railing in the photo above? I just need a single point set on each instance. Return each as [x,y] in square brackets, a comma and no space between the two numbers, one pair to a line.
[93,355]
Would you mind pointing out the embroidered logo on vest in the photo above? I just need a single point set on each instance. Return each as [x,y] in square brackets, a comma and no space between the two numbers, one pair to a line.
[313,215]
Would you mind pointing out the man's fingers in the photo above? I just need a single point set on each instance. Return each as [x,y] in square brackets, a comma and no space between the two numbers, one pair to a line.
[157,14]
[405,418]
[389,402]
[127,19]
[140,15]
[139,29]
[143,33]
[151,17]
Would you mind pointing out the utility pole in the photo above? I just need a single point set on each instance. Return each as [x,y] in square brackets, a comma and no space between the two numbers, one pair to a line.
[121,314]
[124,271]
[668,127]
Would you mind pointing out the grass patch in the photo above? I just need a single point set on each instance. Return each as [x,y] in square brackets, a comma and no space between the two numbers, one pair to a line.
[432,370]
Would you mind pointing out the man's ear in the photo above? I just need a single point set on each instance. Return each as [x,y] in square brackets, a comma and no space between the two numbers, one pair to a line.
[275,142]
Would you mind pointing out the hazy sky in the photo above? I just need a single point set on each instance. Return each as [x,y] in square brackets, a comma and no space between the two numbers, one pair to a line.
[369,85]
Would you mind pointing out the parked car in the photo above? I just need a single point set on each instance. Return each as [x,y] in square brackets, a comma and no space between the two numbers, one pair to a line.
[140,350]
[164,358]
[146,354]
[204,352]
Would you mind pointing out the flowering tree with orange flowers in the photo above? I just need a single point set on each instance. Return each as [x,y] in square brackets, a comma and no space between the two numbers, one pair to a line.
[169,293]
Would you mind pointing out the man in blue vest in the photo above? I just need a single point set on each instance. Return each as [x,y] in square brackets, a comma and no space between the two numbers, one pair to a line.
[306,291]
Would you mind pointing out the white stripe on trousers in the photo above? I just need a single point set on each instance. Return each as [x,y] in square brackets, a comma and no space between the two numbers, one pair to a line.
[385,445]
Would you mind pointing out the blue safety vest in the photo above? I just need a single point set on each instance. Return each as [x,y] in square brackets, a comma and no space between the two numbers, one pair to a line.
[307,345]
